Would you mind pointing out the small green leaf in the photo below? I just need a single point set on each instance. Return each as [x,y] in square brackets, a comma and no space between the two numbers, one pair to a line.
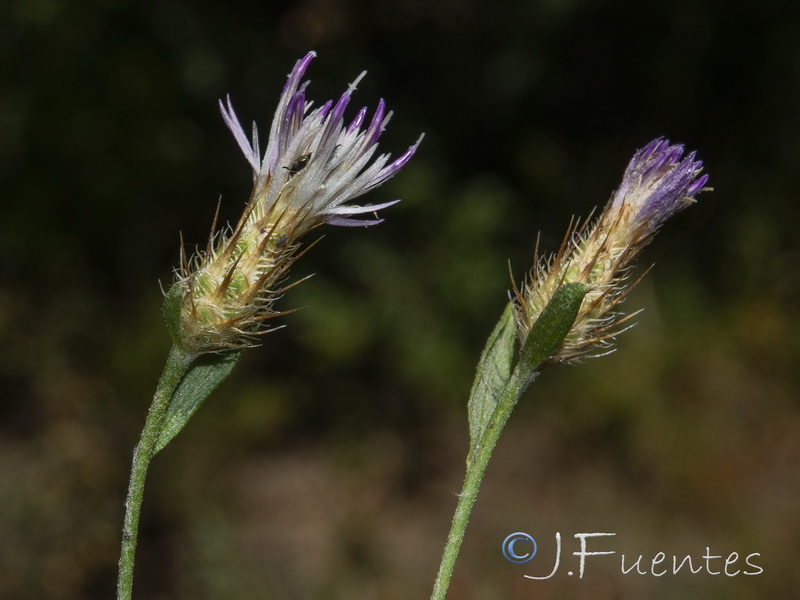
[550,329]
[493,372]
[203,376]
[173,303]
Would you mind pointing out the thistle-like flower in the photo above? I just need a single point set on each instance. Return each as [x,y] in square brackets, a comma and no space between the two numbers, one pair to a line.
[657,184]
[314,164]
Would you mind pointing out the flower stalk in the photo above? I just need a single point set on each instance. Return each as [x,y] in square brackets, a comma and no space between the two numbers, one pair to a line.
[549,332]
[567,306]
[314,165]
[178,362]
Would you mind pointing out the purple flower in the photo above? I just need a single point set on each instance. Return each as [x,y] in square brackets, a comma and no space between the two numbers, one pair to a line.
[314,163]
[659,183]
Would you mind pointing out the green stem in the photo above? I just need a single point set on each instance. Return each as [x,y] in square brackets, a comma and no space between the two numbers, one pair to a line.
[476,467]
[178,363]
[543,340]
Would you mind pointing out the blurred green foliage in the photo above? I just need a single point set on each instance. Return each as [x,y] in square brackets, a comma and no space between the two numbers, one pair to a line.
[325,467]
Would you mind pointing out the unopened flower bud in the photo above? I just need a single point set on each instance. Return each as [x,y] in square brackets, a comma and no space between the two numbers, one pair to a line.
[658,183]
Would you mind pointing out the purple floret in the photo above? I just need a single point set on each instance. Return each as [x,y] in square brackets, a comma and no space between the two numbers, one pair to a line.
[659,182]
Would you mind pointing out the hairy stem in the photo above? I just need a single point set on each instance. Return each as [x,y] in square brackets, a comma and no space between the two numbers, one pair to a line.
[476,467]
[545,337]
[178,363]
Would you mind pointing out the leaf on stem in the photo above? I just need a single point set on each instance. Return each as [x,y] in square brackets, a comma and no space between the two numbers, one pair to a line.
[548,332]
[491,377]
[173,303]
[202,378]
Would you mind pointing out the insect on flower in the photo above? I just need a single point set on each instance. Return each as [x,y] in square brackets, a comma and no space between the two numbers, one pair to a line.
[298,165]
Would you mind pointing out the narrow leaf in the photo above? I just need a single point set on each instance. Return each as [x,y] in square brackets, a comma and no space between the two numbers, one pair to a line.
[493,372]
[205,374]
[173,304]
[550,329]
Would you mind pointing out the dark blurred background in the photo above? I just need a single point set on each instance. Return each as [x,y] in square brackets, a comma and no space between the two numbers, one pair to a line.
[326,466]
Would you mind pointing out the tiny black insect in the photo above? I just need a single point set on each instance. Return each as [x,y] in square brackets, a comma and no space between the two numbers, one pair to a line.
[298,165]
[282,241]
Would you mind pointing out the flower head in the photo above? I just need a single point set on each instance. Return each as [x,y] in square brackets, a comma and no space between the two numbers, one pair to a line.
[313,165]
[658,183]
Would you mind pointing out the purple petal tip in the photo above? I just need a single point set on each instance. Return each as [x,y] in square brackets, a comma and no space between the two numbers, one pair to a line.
[697,186]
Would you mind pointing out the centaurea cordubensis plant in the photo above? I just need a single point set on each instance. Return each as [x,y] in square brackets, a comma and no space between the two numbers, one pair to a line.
[313,166]
[567,307]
